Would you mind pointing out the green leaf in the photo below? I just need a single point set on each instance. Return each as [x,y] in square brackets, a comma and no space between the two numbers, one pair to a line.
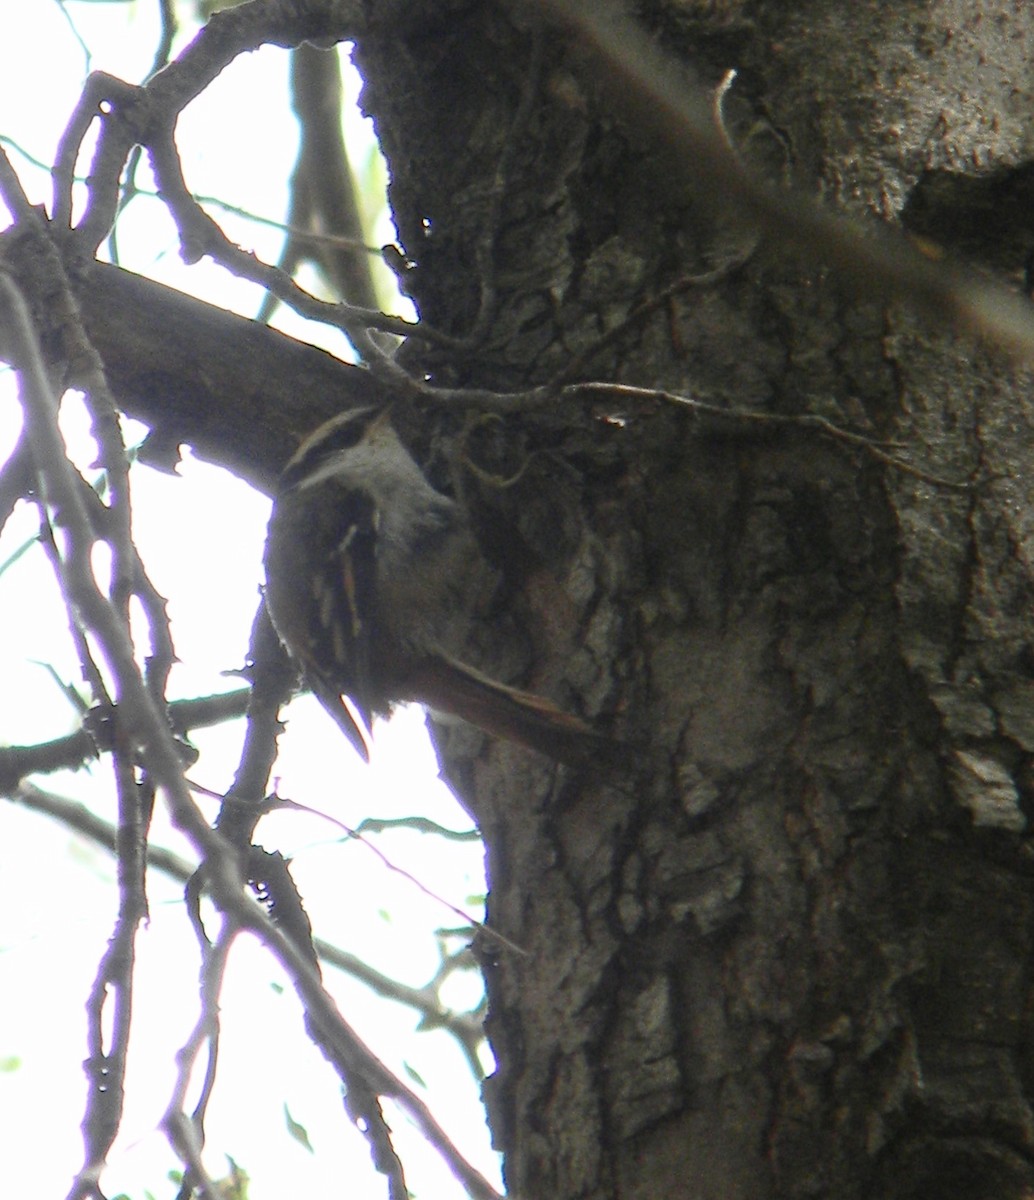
[13,557]
[414,1074]
[297,1131]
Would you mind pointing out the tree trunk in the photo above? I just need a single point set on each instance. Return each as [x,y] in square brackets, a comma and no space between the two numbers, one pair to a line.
[782,948]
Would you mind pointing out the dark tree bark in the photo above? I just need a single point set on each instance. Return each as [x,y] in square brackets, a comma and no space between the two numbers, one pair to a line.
[786,951]
[781,948]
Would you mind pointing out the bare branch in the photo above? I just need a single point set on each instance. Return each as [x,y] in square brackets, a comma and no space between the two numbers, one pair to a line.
[11,190]
[87,744]
[324,196]
[465,1027]
[186,1133]
[758,418]
[273,677]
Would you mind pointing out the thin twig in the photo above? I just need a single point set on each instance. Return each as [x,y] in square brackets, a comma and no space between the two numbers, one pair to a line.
[87,744]
[272,675]
[464,1026]
[755,417]
[186,1133]
[355,835]
[12,192]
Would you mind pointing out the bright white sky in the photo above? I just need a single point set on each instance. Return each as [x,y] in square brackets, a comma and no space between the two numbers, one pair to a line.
[201,536]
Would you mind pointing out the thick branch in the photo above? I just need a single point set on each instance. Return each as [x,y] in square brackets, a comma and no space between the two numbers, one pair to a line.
[196,373]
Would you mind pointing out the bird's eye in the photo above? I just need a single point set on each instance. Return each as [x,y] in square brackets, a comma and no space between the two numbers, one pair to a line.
[340,433]
[344,431]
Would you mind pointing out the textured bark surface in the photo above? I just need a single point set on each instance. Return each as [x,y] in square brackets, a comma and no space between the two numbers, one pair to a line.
[785,953]
[782,948]
[241,394]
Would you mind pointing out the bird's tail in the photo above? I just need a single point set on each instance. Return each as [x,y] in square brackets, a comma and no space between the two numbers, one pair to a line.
[528,720]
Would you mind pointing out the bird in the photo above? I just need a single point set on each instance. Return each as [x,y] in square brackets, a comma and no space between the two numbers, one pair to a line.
[372,575]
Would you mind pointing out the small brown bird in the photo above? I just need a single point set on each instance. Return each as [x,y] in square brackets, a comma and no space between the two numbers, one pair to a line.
[370,577]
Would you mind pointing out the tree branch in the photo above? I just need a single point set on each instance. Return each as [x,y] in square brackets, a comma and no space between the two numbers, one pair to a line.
[87,744]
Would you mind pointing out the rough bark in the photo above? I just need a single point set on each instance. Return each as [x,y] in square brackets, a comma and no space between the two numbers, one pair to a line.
[782,950]
[239,393]
[785,953]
